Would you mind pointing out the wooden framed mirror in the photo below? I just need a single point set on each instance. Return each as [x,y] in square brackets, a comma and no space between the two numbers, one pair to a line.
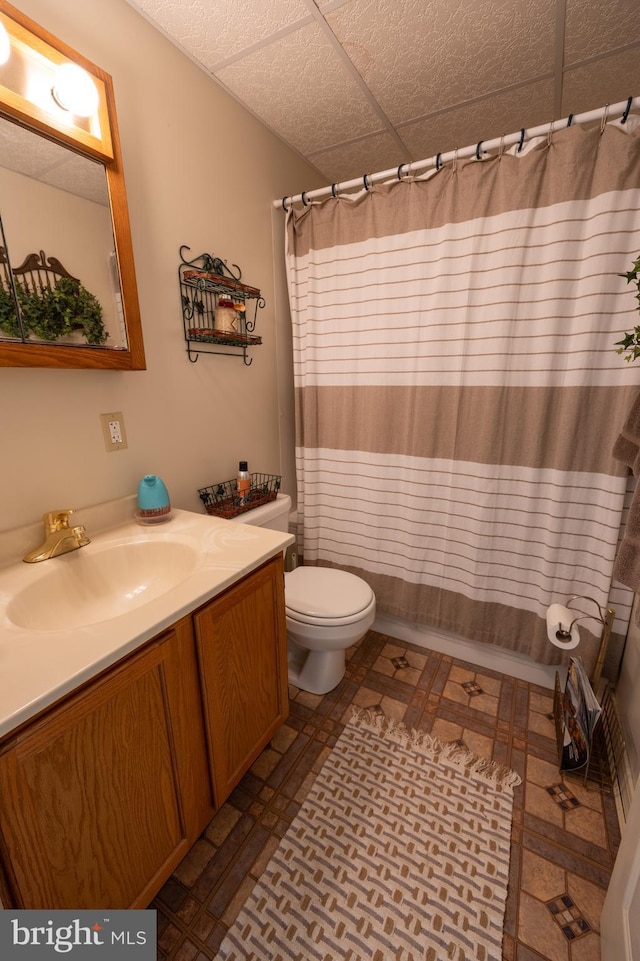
[63,201]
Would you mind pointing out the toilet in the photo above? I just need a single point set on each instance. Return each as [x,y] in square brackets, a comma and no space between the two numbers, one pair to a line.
[327,610]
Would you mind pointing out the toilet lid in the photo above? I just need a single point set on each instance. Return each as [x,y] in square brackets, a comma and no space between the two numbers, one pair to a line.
[325,592]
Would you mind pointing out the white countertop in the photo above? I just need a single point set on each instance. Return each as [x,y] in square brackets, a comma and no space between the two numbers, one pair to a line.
[37,667]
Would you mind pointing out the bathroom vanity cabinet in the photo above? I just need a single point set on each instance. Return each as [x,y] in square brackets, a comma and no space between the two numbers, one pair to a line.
[242,653]
[103,794]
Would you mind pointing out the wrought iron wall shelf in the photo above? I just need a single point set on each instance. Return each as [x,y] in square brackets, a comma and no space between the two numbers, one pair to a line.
[207,286]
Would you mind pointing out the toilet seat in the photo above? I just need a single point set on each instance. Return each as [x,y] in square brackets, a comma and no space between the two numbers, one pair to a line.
[323,595]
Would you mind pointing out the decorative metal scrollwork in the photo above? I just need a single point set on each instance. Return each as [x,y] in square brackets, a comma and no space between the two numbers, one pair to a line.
[211,264]
[215,307]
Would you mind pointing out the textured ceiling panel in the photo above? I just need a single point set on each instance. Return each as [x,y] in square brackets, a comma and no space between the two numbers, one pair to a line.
[212,30]
[417,58]
[50,163]
[27,153]
[302,90]
[81,177]
[595,28]
[358,86]
[605,81]
[503,114]
[379,152]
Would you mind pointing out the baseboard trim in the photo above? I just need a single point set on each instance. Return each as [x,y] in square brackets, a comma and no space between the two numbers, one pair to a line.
[482,655]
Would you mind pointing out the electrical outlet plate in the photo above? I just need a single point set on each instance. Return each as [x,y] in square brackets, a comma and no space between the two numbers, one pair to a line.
[113,431]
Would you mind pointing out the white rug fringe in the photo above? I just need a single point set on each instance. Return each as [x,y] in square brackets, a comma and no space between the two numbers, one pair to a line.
[450,753]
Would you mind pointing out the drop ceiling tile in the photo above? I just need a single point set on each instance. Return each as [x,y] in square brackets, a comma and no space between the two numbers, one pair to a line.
[610,80]
[505,113]
[212,30]
[419,57]
[79,176]
[302,90]
[594,27]
[27,153]
[49,162]
[351,160]
[483,67]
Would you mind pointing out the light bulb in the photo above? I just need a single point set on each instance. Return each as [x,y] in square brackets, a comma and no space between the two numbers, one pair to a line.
[5,44]
[74,90]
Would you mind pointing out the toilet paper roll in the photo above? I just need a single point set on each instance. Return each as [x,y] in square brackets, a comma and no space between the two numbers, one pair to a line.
[558,615]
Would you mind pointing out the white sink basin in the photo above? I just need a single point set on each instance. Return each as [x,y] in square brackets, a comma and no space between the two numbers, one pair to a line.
[64,620]
[86,587]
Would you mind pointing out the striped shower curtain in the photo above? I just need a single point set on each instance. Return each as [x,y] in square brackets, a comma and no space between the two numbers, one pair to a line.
[457,389]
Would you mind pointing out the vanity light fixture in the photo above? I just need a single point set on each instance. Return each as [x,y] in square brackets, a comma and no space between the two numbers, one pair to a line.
[74,90]
[5,44]
[49,87]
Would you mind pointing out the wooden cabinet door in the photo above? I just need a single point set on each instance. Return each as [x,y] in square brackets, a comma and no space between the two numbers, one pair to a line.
[242,649]
[91,813]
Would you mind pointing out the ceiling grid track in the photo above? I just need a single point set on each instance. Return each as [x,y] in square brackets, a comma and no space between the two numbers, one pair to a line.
[349,66]
[561,20]
[362,85]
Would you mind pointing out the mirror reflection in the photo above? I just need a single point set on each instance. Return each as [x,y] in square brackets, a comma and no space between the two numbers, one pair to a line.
[59,248]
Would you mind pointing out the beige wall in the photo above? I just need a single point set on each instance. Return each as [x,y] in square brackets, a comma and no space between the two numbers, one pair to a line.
[200,171]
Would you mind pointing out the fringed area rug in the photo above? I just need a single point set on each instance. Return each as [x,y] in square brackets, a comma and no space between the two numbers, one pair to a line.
[399,853]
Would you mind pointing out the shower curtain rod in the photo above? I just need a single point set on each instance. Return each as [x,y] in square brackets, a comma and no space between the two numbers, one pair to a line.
[483,147]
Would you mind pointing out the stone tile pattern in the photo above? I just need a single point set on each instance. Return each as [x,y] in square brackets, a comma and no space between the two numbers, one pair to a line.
[564,836]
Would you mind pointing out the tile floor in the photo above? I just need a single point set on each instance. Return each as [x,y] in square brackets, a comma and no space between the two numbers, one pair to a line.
[564,836]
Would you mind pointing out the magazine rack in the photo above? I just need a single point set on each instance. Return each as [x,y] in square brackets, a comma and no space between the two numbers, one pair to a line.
[596,761]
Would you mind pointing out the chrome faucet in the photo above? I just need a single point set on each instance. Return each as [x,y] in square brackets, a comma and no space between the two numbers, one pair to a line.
[59,537]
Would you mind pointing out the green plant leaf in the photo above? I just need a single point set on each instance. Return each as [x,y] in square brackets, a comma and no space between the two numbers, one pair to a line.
[54,312]
[630,343]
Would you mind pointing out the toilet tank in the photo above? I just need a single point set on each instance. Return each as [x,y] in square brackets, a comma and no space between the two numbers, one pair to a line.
[274,515]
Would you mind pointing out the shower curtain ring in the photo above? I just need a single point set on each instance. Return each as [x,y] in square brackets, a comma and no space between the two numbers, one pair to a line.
[302,198]
[454,165]
[478,150]
[284,204]
[626,110]
[522,131]
[366,182]
[603,122]
[550,134]
[334,191]
[570,120]
[501,147]
[438,161]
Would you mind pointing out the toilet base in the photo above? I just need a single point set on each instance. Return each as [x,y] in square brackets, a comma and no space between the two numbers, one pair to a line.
[317,672]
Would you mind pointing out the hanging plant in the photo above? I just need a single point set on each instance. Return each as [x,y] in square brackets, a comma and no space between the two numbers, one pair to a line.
[630,343]
[56,312]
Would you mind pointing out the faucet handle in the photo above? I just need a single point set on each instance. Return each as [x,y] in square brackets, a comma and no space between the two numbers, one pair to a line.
[56,520]
[80,534]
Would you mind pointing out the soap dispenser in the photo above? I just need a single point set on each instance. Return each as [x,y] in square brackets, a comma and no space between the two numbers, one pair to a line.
[153,500]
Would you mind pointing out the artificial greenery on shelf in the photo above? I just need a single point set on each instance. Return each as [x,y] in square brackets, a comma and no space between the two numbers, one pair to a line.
[8,316]
[630,343]
[53,312]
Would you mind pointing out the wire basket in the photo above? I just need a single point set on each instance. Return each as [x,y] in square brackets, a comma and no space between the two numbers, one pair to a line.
[223,500]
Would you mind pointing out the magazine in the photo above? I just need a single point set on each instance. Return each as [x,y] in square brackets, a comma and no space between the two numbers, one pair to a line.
[581,712]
